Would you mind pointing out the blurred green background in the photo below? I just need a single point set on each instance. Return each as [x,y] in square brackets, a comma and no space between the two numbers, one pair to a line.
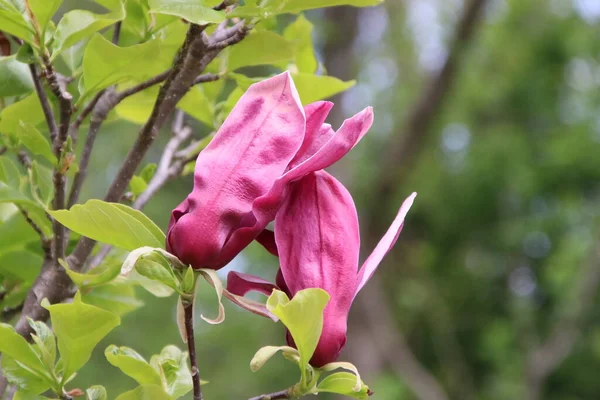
[490,110]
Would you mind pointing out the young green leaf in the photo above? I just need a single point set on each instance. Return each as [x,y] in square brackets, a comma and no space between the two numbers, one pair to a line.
[299,33]
[29,109]
[14,345]
[172,366]
[42,183]
[79,327]
[117,297]
[10,195]
[100,275]
[13,21]
[312,88]
[37,143]
[295,6]
[27,380]
[132,364]
[193,11]
[260,47]
[146,392]
[96,393]
[9,173]
[343,383]
[79,24]
[344,365]
[303,316]
[46,343]
[15,78]
[264,354]
[25,395]
[23,265]
[43,10]
[111,223]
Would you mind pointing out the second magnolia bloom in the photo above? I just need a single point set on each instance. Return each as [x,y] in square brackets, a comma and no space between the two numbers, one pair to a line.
[268,141]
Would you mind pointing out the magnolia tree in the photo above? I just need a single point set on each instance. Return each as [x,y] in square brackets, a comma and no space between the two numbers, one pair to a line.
[64,264]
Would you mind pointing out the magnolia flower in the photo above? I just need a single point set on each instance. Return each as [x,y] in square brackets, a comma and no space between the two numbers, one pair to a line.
[317,239]
[268,141]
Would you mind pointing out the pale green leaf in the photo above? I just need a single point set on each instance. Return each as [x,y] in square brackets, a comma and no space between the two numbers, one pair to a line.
[43,11]
[145,392]
[105,64]
[211,277]
[299,33]
[100,275]
[13,345]
[10,195]
[172,366]
[42,182]
[96,392]
[191,10]
[79,24]
[35,142]
[111,223]
[260,47]
[15,78]
[344,365]
[79,327]
[25,379]
[197,105]
[264,354]
[26,395]
[137,185]
[117,297]
[13,19]
[343,383]
[132,364]
[303,316]
[29,109]
[45,341]
[295,6]
[312,88]
[9,173]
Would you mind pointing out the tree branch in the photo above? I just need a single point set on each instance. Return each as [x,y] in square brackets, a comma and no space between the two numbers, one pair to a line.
[283,394]
[189,330]
[46,107]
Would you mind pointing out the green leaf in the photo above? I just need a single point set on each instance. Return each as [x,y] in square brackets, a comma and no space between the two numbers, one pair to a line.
[13,20]
[26,54]
[9,173]
[42,178]
[96,392]
[344,365]
[22,265]
[100,275]
[303,316]
[15,78]
[343,383]
[111,223]
[145,392]
[148,172]
[172,366]
[260,47]
[46,343]
[29,109]
[154,264]
[15,232]
[197,105]
[35,141]
[318,87]
[73,56]
[105,64]
[117,297]
[295,6]
[264,354]
[132,364]
[79,24]
[30,371]
[191,10]
[43,11]
[10,195]
[299,33]
[25,395]
[79,327]
[137,185]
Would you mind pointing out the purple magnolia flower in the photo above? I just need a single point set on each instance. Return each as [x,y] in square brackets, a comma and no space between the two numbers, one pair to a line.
[268,141]
[317,240]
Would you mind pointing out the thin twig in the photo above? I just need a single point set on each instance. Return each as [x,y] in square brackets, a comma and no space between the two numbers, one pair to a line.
[46,107]
[283,394]
[45,241]
[83,115]
[116,33]
[189,330]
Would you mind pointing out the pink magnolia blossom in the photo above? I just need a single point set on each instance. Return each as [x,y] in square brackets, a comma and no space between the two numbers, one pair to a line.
[317,239]
[268,141]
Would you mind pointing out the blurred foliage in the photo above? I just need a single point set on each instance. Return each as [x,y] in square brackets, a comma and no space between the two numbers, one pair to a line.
[503,229]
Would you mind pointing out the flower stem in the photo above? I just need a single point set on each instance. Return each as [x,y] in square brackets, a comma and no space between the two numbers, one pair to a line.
[189,329]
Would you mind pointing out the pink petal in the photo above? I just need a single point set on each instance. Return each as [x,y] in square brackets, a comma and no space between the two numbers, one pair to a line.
[239,284]
[316,134]
[250,305]
[338,145]
[267,239]
[385,244]
[251,150]
[316,231]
